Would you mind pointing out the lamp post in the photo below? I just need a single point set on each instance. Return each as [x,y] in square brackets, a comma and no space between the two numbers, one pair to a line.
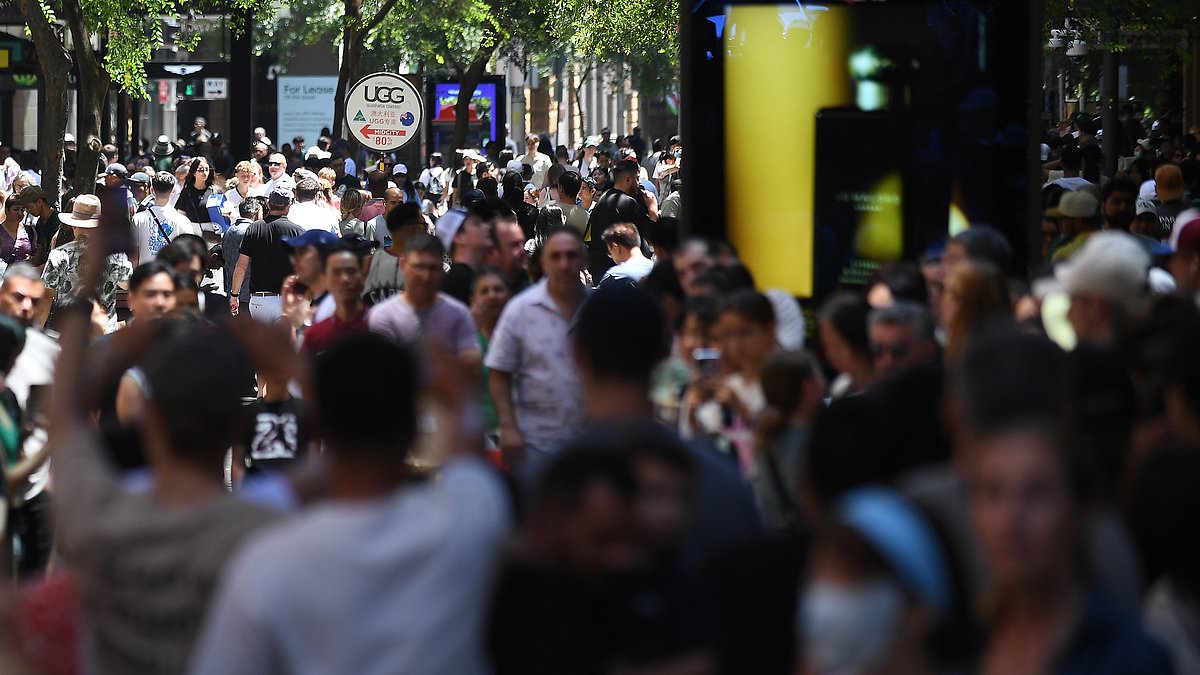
[1071,37]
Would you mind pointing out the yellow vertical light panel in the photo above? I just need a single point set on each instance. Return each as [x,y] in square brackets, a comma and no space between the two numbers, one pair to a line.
[782,64]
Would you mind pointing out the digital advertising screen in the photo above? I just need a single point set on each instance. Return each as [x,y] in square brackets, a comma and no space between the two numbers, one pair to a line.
[482,110]
[852,134]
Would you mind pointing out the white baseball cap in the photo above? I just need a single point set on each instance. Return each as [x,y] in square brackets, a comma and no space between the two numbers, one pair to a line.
[449,224]
[1111,265]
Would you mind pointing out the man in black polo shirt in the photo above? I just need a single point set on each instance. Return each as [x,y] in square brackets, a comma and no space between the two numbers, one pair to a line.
[624,203]
[263,242]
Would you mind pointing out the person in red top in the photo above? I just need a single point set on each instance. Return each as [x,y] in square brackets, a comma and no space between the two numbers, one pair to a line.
[344,279]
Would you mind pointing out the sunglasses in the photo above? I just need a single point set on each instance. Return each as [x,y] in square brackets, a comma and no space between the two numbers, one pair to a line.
[274,163]
[202,169]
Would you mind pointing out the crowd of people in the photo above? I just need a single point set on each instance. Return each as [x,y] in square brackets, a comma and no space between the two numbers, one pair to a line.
[511,417]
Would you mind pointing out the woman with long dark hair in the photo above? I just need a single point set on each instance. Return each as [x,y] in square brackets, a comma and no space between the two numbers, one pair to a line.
[514,196]
[197,188]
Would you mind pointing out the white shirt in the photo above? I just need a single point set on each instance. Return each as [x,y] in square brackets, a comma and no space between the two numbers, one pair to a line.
[149,238]
[282,180]
[392,585]
[313,216]
[540,163]
[1072,184]
[443,177]
[233,199]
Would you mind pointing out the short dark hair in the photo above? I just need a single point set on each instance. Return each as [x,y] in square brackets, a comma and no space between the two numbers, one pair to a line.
[611,345]
[1007,378]
[163,182]
[624,235]
[568,184]
[360,377]
[197,378]
[751,306]
[625,166]
[249,207]
[493,208]
[847,313]
[987,244]
[563,229]
[848,449]
[175,253]
[424,243]
[488,271]
[348,245]
[584,462]
[405,214]
[148,270]
[1120,184]
[906,313]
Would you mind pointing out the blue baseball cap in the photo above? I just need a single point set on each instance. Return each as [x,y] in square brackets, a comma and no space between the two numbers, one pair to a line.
[318,238]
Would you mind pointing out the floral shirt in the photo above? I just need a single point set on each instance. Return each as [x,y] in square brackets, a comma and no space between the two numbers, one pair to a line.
[62,274]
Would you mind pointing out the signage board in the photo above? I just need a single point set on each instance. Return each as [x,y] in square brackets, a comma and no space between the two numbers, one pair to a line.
[383,111]
[305,106]
[216,88]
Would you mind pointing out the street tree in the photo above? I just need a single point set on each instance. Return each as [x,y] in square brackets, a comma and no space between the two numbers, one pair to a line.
[104,42]
[1116,26]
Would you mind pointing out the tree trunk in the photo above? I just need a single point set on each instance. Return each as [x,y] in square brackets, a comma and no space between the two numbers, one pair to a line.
[1111,122]
[468,79]
[352,43]
[93,87]
[55,68]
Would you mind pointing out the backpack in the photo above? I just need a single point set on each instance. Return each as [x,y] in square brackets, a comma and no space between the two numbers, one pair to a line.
[435,180]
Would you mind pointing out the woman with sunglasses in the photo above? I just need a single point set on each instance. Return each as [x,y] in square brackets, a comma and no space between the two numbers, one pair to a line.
[197,188]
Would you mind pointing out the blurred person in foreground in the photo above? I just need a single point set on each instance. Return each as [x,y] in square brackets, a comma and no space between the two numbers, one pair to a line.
[882,594]
[146,562]
[386,543]
[1029,497]
[593,585]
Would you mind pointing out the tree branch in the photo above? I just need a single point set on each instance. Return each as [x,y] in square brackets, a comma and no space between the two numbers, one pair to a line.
[379,16]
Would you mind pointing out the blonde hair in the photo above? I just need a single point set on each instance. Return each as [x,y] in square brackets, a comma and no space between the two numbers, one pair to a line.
[352,203]
[252,167]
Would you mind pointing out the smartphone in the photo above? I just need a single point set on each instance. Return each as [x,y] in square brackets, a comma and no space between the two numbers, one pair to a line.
[37,406]
[708,361]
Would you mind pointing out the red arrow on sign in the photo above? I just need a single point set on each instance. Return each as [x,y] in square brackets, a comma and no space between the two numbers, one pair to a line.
[367,131]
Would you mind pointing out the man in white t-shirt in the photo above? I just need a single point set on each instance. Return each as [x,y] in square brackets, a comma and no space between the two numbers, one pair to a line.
[307,213]
[159,223]
[277,170]
[540,162]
